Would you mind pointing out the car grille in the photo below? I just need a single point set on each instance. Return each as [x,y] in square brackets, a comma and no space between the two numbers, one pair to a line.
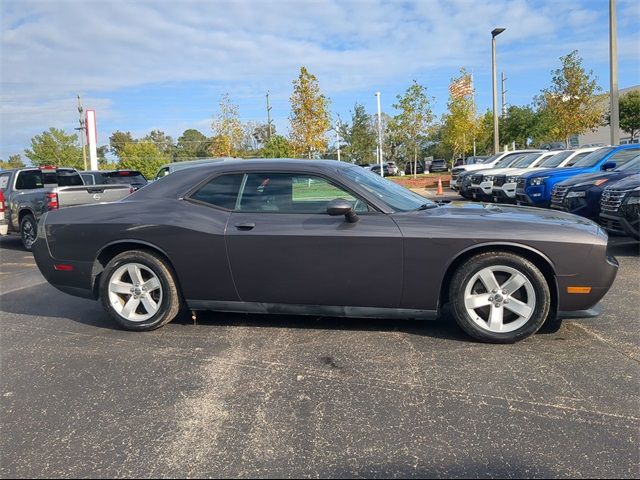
[476,179]
[558,194]
[499,181]
[466,181]
[612,199]
[522,182]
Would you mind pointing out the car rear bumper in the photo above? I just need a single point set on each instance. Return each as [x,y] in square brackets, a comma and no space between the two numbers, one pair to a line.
[77,278]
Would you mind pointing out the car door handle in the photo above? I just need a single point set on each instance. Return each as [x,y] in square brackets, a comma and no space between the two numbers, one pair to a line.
[245,226]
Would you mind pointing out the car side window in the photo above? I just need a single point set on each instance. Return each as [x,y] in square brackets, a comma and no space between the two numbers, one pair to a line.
[575,159]
[29,180]
[163,172]
[292,193]
[88,179]
[623,156]
[220,191]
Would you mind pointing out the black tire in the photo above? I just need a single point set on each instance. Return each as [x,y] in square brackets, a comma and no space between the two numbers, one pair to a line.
[464,274]
[28,231]
[171,299]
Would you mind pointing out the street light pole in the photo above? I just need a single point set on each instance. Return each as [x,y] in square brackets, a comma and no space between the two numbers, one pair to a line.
[380,136]
[338,137]
[613,70]
[496,138]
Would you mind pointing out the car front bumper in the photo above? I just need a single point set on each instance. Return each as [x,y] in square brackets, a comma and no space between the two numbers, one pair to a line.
[619,225]
[505,192]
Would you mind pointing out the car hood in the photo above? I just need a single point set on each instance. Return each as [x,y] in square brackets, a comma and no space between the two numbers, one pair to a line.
[510,172]
[506,222]
[632,181]
[505,170]
[556,172]
[475,166]
[587,178]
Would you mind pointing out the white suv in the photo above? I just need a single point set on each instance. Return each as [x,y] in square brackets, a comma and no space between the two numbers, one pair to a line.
[488,163]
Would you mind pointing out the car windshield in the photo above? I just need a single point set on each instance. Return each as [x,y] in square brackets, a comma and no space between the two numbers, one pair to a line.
[490,159]
[397,197]
[632,165]
[526,160]
[556,159]
[130,178]
[594,157]
[507,161]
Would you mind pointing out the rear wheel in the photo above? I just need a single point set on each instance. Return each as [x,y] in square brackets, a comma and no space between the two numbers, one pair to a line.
[139,291]
[28,230]
[499,297]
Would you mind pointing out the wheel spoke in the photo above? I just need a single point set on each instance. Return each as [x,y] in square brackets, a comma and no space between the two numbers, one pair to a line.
[512,285]
[519,308]
[150,306]
[477,300]
[130,307]
[488,279]
[120,287]
[151,284]
[135,274]
[496,318]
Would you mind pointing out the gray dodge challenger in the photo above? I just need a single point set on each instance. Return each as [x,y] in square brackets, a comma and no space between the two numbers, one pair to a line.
[323,238]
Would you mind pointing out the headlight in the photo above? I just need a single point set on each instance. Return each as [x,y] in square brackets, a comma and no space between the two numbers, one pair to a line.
[633,200]
[538,181]
[512,179]
[576,194]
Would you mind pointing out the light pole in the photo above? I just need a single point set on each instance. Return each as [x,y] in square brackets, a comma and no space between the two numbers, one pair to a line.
[613,70]
[338,137]
[380,136]
[496,138]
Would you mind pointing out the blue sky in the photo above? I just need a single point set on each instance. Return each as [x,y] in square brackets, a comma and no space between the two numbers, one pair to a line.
[164,64]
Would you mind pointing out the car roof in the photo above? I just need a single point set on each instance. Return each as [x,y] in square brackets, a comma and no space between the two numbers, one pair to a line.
[181,181]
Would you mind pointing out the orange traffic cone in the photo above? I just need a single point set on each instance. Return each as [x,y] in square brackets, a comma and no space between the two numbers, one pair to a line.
[439,191]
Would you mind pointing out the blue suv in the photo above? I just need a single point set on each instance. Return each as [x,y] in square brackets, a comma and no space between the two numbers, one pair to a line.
[534,188]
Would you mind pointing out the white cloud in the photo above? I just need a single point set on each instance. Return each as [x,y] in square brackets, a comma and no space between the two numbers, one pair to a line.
[52,49]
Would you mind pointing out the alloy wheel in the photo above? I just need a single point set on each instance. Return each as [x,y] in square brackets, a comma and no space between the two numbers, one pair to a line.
[135,292]
[500,299]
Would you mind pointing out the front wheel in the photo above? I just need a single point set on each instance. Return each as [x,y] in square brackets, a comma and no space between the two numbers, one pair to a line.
[499,297]
[139,291]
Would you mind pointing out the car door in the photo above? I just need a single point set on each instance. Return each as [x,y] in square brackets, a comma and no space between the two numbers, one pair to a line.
[284,248]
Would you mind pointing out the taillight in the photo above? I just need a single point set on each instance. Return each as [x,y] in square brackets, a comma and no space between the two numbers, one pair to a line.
[52,200]
[3,205]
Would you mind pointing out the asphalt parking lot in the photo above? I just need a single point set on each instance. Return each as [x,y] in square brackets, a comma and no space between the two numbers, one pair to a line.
[276,396]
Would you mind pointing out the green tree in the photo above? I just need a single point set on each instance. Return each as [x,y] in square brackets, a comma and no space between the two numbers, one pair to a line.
[572,99]
[118,140]
[459,123]
[518,125]
[103,161]
[227,129]
[163,142]
[309,118]
[192,144]
[57,148]
[630,113]
[14,162]
[359,136]
[277,147]
[144,157]
[484,134]
[414,119]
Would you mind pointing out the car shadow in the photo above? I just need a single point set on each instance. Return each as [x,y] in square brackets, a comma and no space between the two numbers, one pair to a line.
[12,242]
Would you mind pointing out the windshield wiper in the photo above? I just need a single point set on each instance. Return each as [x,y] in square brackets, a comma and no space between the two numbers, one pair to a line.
[427,206]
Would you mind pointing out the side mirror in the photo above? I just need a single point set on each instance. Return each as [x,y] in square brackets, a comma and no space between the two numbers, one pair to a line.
[609,166]
[340,206]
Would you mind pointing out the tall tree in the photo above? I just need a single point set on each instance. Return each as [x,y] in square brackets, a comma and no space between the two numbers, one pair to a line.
[414,119]
[359,136]
[143,156]
[163,142]
[309,118]
[192,144]
[277,147]
[14,162]
[572,99]
[518,125]
[118,140]
[630,113]
[460,123]
[227,129]
[57,148]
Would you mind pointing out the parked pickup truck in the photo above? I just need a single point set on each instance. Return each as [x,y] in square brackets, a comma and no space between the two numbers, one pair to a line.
[26,193]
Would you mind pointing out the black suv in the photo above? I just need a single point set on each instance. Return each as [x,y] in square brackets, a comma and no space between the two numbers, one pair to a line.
[620,207]
[438,165]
